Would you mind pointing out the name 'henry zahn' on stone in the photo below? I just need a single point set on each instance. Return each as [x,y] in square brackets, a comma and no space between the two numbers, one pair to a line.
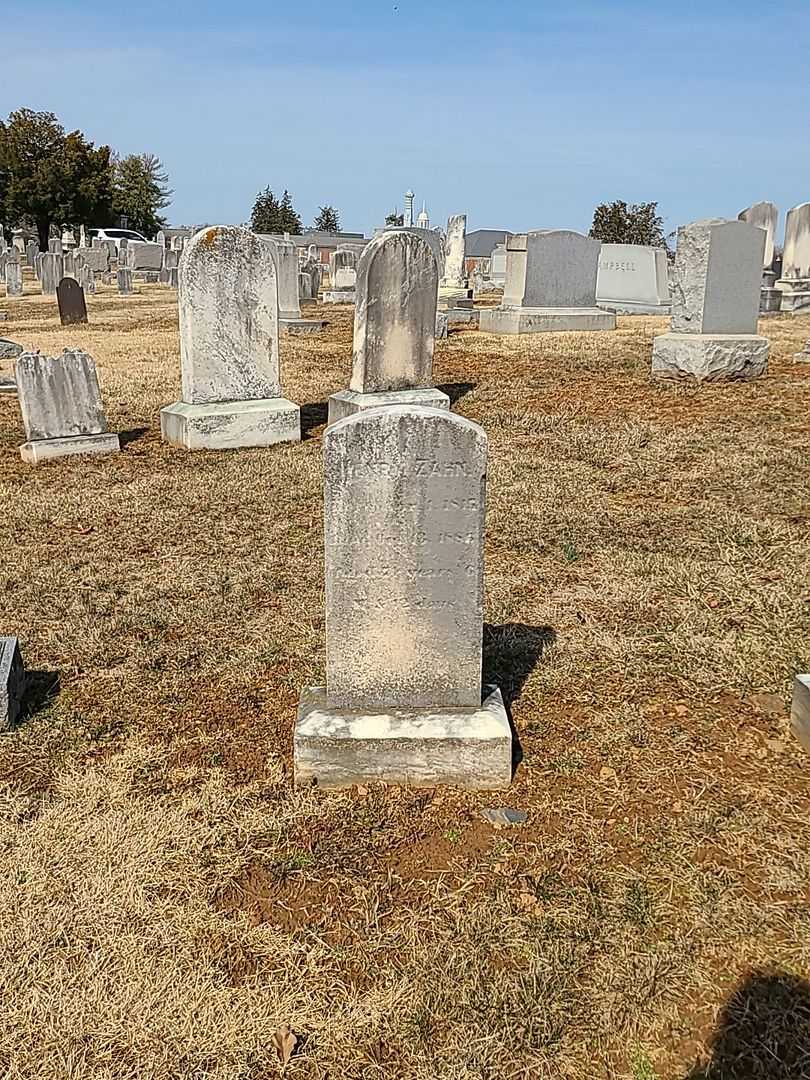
[404,535]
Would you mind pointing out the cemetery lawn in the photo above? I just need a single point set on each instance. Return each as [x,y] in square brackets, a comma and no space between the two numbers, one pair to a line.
[167,900]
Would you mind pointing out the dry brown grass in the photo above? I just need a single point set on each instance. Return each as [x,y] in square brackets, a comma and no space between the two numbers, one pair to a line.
[167,899]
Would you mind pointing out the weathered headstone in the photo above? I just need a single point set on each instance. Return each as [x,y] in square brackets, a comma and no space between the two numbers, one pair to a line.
[173,277]
[394,328]
[9,351]
[31,252]
[550,285]
[86,278]
[765,215]
[800,710]
[55,246]
[14,278]
[229,355]
[12,682]
[715,305]
[455,276]
[68,264]
[50,272]
[795,281]
[72,305]
[97,258]
[141,255]
[497,265]
[82,237]
[124,277]
[61,407]
[404,538]
[289,310]
[342,278]
[803,357]
[632,280]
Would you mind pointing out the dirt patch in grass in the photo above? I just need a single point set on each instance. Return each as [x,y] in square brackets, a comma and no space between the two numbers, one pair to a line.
[167,899]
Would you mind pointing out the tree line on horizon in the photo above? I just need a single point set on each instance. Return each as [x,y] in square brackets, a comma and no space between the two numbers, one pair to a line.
[50,177]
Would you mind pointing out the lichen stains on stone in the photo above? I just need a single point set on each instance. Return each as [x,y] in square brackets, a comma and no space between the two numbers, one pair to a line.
[210,237]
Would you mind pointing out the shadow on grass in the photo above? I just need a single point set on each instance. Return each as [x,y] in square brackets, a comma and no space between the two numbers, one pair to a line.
[456,390]
[511,653]
[126,437]
[763,1032]
[313,415]
[41,688]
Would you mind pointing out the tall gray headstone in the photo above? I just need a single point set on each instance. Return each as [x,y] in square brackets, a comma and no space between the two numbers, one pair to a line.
[229,354]
[633,280]
[61,406]
[55,246]
[550,285]
[31,252]
[50,272]
[394,328]
[765,215]
[86,278]
[124,278]
[795,281]
[404,515]
[342,277]
[14,278]
[12,682]
[715,304]
[289,310]
[455,276]
[69,264]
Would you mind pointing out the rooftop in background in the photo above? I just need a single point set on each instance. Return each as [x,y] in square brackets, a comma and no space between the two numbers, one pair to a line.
[320,238]
[481,242]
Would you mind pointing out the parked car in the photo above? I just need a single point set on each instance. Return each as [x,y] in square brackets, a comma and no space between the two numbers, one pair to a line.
[116,235]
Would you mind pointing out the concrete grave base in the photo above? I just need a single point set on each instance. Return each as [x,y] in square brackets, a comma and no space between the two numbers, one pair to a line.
[339,296]
[800,710]
[228,425]
[463,316]
[349,402]
[795,293]
[770,301]
[38,450]
[632,307]
[709,357]
[466,748]
[526,320]
[302,326]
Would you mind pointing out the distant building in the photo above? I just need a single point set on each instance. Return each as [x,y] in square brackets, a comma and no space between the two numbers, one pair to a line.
[479,247]
[324,242]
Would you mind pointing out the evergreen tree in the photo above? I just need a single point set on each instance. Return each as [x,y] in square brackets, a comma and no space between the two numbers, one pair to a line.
[50,178]
[289,219]
[265,217]
[328,220]
[636,223]
[140,191]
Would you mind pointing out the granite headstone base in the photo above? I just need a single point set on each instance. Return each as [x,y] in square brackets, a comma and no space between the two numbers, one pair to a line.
[228,425]
[795,293]
[12,682]
[466,748]
[633,307]
[302,326]
[339,296]
[770,300]
[36,451]
[463,316]
[528,320]
[800,710]
[709,357]
[348,402]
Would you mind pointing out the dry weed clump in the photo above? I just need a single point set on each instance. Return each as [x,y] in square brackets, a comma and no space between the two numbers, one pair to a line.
[170,907]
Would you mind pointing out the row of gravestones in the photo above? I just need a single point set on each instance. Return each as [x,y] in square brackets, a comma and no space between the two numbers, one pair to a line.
[404,499]
[404,505]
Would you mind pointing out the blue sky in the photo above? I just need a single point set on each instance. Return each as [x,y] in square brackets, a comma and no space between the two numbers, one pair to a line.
[523,114]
